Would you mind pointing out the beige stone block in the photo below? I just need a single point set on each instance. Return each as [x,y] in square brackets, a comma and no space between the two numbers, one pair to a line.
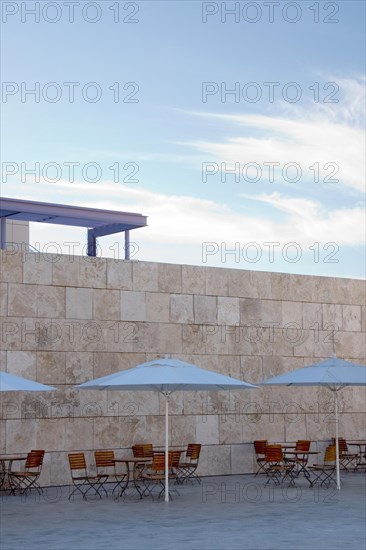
[2,436]
[271,313]
[228,311]
[79,367]
[51,367]
[107,363]
[193,279]
[106,304]
[280,286]
[169,278]
[131,405]
[181,308]
[304,346]
[217,460]
[350,345]
[133,306]
[230,429]
[363,318]
[192,339]
[11,266]
[22,300]
[107,434]
[134,433]
[183,430]
[207,429]
[157,307]
[119,274]
[250,310]
[243,462]
[65,271]
[3,299]
[216,338]
[332,317]
[217,281]
[251,339]
[284,341]
[205,309]
[59,469]
[240,284]
[323,290]
[301,288]
[50,435]
[37,268]
[251,369]
[352,318]
[92,272]
[51,301]
[79,434]
[312,316]
[355,291]
[79,303]
[22,363]
[292,314]
[111,336]
[21,435]
[145,276]
[261,284]
[158,338]
[3,360]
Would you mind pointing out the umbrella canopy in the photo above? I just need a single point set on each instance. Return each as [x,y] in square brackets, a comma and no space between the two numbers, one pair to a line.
[166,376]
[10,382]
[333,373]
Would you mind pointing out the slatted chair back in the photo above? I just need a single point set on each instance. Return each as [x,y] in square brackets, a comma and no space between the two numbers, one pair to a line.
[77,462]
[143,450]
[34,460]
[302,445]
[193,451]
[174,458]
[274,453]
[104,459]
[260,446]
[330,454]
[342,445]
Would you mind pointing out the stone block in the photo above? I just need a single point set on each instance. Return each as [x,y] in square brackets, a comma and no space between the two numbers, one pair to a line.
[352,320]
[145,276]
[119,274]
[51,367]
[193,279]
[22,363]
[228,311]
[217,281]
[65,272]
[11,266]
[51,301]
[106,304]
[169,278]
[207,429]
[157,307]
[79,367]
[158,338]
[92,272]
[181,308]
[22,300]
[37,268]
[79,303]
[3,299]
[133,306]
[205,309]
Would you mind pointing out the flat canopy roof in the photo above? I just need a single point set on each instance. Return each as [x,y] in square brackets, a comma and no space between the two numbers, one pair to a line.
[98,222]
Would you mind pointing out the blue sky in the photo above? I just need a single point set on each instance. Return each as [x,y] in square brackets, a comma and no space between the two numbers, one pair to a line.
[182,136]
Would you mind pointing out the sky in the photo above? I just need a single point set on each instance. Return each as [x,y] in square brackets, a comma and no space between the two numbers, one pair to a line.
[238,128]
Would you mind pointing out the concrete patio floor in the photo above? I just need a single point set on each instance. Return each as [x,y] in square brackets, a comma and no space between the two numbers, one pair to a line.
[229,512]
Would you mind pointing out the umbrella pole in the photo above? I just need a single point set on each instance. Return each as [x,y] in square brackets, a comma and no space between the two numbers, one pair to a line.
[166,447]
[337,442]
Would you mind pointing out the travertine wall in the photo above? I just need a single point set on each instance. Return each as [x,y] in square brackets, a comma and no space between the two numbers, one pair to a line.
[66,320]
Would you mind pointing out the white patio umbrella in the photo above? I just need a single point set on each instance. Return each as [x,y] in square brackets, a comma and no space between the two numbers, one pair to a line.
[10,382]
[166,376]
[333,373]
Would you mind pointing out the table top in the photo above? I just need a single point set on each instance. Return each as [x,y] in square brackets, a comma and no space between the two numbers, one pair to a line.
[302,452]
[132,459]
[357,442]
[13,457]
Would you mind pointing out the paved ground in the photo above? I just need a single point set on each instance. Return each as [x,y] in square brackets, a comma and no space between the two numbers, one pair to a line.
[224,513]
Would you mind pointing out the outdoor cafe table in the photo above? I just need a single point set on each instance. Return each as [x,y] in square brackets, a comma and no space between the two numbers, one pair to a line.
[302,463]
[131,481]
[361,444]
[7,470]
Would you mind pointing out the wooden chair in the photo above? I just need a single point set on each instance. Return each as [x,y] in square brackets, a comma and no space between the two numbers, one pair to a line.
[277,469]
[81,480]
[347,460]
[187,470]
[141,450]
[154,473]
[324,473]
[25,480]
[106,465]
[260,451]
[300,461]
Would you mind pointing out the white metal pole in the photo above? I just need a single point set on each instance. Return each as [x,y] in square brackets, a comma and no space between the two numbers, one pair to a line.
[337,442]
[166,447]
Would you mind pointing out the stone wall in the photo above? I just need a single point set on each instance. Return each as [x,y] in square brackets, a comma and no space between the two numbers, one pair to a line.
[66,320]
